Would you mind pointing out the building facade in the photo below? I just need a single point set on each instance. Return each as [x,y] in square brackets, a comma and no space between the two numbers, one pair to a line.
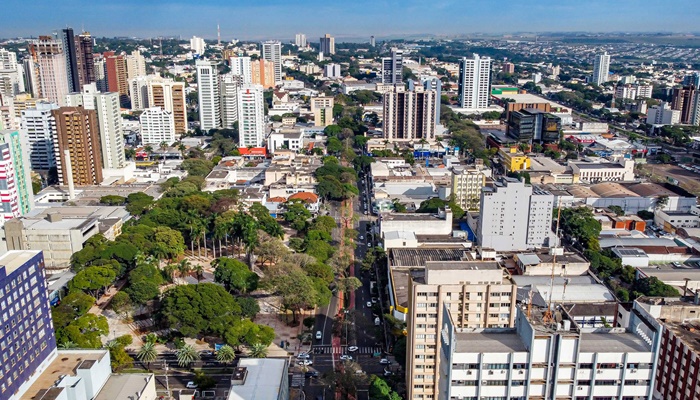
[50,69]
[251,116]
[85,59]
[117,78]
[241,66]
[300,40]
[409,115]
[16,195]
[37,125]
[392,67]
[11,75]
[332,71]
[474,82]
[327,44]
[197,45]
[157,126]
[208,94]
[466,187]
[135,65]
[263,73]
[683,100]
[601,68]
[662,114]
[77,146]
[230,84]
[322,107]
[272,51]
[532,125]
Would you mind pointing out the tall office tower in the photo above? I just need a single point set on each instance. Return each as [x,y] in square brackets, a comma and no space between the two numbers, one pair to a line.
[692,79]
[601,68]
[229,85]
[135,65]
[327,45]
[478,292]
[15,176]
[263,73]
[392,67]
[11,74]
[208,95]
[26,322]
[31,79]
[75,130]
[50,62]
[37,125]
[683,99]
[272,51]
[68,43]
[515,216]
[109,120]
[431,83]
[157,126]
[170,96]
[241,66]
[372,41]
[85,59]
[467,184]
[101,73]
[409,115]
[251,116]
[474,82]
[115,68]
[300,40]
[322,107]
[197,45]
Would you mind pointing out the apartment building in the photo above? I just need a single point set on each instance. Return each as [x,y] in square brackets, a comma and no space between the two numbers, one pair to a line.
[117,76]
[474,82]
[209,96]
[409,115]
[15,176]
[37,126]
[11,75]
[241,66]
[263,73]
[272,52]
[77,146]
[135,65]
[229,86]
[392,67]
[514,216]
[601,68]
[478,293]
[663,114]
[251,116]
[157,126]
[684,100]
[322,108]
[466,186]
[49,62]
[327,44]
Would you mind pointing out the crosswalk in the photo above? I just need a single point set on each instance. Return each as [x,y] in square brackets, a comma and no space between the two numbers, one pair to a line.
[327,349]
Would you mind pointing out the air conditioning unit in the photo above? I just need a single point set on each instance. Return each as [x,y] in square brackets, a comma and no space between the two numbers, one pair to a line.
[619,382]
[521,372]
[580,388]
[490,372]
[469,372]
[634,370]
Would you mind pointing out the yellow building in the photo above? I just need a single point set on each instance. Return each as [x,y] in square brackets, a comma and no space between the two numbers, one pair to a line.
[514,160]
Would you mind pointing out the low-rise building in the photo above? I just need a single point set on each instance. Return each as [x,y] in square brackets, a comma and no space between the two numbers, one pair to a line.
[594,172]
[513,160]
[260,378]
[285,139]
[670,221]
[418,223]
[554,261]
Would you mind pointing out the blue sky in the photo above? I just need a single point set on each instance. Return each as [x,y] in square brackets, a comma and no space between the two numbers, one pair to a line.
[248,19]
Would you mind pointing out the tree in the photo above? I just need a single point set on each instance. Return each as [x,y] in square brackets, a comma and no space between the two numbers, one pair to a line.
[167,243]
[186,355]
[296,215]
[137,203]
[119,358]
[85,332]
[121,304]
[234,275]
[270,251]
[380,390]
[653,287]
[617,210]
[72,306]
[400,351]
[296,290]
[661,202]
[197,167]
[93,279]
[309,322]
[147,354]
[225,355]
[249,306]
[203,308]
[257,350]
[112,200]
[348,284]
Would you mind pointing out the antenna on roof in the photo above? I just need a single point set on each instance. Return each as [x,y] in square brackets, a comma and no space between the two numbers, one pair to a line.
[547,317]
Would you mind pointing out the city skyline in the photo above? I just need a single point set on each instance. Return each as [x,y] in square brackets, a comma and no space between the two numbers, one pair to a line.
[249,20]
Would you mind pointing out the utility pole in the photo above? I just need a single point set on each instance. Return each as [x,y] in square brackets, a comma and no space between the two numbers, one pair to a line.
[167,383]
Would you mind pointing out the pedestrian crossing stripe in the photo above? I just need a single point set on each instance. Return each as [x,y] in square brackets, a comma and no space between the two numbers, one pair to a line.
[328,349]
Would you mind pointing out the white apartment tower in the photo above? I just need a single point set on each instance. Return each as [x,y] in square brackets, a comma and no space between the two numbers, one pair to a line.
[138,92]
[11,74]
[300,40]
[156,91]
[135,65]
[514,216]
[392,67]
[229,87]
[466,186]
[251,116]
[36,126]
[474,82]
[272,51]
[50,62]
[241,66]
[601,68]
[409,115]
[208,94]
[157,126]
[197,45]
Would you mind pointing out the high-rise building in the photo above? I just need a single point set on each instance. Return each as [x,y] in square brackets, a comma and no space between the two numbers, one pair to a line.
[117,77]
[85,59]
[70,53]
[11,75]
[692,79]
[170,96]
[332,71]
[50,64]
[31,78]
[300,40]
[474,82]
[241,66]
[327,45]
[251,116]
[662,114]
[272,51]
[15,176]
[37,125]
[683,100]
[8,118]
[508,68]
[372,41]
[24,101]
[514,216]
[322,107]
[392,67]
[409,115]
[601,68]
[533,125]
[29,341]
[208,94]
[135,65]
[157,126]
[466,187]
[138,92]
[100,69]
[77,146]
[477,291]
[263,73]
[229,86]
[431,83]
[111,133]
[197,45]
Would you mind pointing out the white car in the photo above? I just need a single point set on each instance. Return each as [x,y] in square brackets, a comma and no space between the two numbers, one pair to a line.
[191,385]
[369,304]
[345,357]
[319,335]
[305,362]
[361,237]
[352,348]
[385,361]
[303,356]
[374,300]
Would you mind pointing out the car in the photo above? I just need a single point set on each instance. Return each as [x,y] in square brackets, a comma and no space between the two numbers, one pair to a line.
[346,357]
[191,385]
[207,353]
[305,362]
[676,264]
[387,372]
[362,237]
[311,374]
[377,321]
[319,335]
[374,299]
[303,355]
[369,304]
[385,361]
[352,348]
[366,213]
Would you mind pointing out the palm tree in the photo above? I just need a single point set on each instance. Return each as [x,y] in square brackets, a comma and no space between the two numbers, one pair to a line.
[258,350]
[68,345]
[170,270]
[199,272]
[225,354]
[185,268]
[163,145]
[186,355]
[147,354]
[181,147]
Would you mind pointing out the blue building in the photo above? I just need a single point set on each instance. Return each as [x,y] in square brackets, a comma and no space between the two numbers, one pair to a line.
[27,340]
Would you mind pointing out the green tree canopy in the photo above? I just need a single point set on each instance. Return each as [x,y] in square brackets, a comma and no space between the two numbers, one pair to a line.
[234,275]
[199,309]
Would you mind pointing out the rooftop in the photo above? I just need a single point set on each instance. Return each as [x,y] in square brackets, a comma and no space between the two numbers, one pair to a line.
[461,265]
[64,364]
[473,342]
[124,386]
[16,258]
[263,381]
[609,342]
[418,257]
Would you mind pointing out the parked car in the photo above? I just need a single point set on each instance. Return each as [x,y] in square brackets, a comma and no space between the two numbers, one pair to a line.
[319,335]
[374,299]
[352,348]
[305,362]
[385,361]
[369,304]
[311,374]
[191,385]
[346,357]
[303,355]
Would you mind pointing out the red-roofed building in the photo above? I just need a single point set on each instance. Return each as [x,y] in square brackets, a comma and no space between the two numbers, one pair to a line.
[253,152]
[310,200]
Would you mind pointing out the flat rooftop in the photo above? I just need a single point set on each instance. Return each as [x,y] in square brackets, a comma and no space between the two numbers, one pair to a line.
[64,364]
[124,386]
[473,342]
[399,258]
[612,343]
[462,265]
[14,259]
[263,380]
[400,279]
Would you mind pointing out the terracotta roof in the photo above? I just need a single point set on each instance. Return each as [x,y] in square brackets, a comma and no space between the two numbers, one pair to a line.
[305,196]
[253,151]
[277,200]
